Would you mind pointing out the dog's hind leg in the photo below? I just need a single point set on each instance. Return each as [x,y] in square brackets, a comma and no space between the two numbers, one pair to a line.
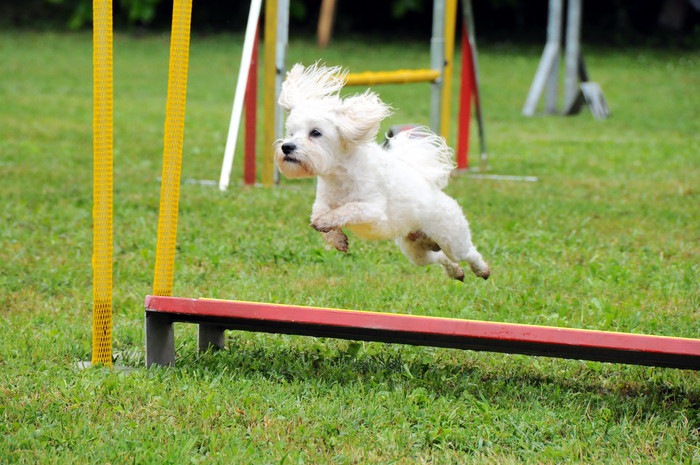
[450,231]
[422,250]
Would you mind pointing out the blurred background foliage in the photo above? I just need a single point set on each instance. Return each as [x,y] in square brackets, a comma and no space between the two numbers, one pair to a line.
[615,22]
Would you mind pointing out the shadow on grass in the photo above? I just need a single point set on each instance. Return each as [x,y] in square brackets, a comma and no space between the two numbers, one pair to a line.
[494,379]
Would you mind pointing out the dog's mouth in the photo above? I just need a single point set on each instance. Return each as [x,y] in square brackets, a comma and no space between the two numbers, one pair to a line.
[290,159]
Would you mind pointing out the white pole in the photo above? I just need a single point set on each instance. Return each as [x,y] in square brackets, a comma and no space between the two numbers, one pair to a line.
[251,29]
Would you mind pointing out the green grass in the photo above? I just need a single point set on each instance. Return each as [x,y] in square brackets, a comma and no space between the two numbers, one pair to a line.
[608,239]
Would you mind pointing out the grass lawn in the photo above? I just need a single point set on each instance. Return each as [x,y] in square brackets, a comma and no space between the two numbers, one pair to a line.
[608,239]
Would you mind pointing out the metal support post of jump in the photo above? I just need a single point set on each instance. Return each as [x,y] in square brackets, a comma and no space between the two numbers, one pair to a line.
[439,75]
[577,88]
[469,90]
[247,58]
[275,65]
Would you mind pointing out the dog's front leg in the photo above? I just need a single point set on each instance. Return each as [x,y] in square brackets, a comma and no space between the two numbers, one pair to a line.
[350,213]
[330,222]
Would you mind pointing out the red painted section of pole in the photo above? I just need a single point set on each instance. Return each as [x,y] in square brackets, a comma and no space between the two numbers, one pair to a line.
[465,102]
[251,103]
[430,331]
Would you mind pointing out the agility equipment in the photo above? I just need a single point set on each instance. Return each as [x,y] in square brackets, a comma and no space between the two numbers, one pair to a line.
[172,147]
[439,75]
[103,182]
[469,92]
[547,75]
[243,83]
[215,316]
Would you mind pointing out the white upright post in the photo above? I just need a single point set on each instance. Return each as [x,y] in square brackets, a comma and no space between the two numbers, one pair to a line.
[239,97]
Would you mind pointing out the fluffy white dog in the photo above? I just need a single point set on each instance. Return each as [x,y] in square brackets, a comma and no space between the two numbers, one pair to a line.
[391,192]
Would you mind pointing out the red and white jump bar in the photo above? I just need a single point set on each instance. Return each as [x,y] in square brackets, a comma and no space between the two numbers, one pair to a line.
[216,316]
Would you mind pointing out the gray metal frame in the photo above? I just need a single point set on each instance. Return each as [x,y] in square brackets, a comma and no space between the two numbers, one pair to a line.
[547,73]
[577,89]
[437,62]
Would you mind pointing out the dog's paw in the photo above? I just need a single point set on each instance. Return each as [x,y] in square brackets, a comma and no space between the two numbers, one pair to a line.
[321,228]
[325,223]
[482,270]
[454,271]
[337,239]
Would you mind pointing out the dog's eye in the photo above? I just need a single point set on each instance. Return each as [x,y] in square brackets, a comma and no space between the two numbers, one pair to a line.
[315,133]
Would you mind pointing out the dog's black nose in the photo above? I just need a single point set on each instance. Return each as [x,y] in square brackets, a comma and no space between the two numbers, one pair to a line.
[288,147]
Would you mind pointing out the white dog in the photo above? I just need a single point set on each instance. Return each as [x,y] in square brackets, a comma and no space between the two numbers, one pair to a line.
[392,192]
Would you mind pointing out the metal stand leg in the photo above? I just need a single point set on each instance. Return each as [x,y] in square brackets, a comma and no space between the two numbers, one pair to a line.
[547,71]
[547,75]
[211,337]
[160,340]
[437,62]
[573,56]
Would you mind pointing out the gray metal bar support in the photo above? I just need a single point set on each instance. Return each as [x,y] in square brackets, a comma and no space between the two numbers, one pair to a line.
[573,54]
[468,18]
[280,64]
[437,62]
[554,32]
[160,340]
[548,70]
[211,337]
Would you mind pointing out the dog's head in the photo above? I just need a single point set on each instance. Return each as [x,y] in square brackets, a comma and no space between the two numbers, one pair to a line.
[323,128]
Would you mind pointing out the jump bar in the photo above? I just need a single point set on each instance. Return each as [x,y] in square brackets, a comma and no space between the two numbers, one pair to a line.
[215,316]
[401,76]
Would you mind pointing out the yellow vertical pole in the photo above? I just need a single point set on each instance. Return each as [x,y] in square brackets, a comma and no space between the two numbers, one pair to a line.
[103,182]
[269,93]
[172,147]
[446,107]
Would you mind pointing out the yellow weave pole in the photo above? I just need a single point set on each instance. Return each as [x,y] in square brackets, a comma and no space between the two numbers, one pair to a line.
[446,107]
[172,147]
[103,181]
[269,92]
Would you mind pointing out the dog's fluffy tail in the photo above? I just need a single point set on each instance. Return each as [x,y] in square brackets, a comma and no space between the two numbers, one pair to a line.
[426,152]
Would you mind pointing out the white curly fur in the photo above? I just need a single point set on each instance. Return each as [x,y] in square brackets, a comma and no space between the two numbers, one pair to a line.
[314,82]
[393,192]
[426,152]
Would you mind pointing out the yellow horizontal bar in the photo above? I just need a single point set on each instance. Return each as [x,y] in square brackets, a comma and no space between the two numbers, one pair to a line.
[401,76]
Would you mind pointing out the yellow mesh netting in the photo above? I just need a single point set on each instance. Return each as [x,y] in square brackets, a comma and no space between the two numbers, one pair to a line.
[172,150]
[102,183]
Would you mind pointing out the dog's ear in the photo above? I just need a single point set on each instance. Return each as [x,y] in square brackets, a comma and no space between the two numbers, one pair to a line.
[314,82]
[359,116]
